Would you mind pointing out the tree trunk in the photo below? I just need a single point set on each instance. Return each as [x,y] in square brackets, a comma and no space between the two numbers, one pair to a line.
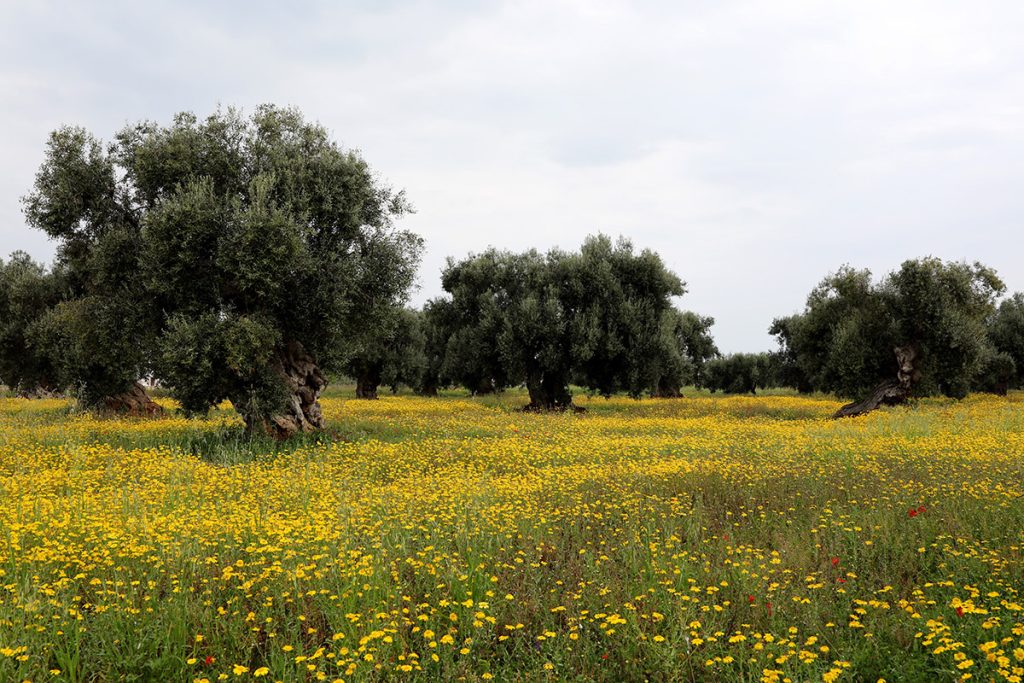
[366,385]
[134,403]
[303,383]
[890,392]
[40,391]
[549,393]
[666,389]
[484,387]
[428,389]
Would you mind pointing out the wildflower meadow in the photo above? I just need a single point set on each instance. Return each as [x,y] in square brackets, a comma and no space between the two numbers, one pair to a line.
[423,539]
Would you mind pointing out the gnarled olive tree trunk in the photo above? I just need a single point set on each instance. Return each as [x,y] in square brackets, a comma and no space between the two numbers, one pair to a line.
[40,391]
[303,383]
[134,402]
[548,392]
[890,392]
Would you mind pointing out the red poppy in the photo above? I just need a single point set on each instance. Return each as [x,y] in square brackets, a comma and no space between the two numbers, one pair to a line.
[209,660]
[840,580]
[920,509]
[959,611]
[912,512]
[604,656]
[750,599]
[835,561]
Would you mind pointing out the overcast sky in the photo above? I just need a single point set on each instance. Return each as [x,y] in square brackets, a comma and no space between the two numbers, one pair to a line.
[755,145]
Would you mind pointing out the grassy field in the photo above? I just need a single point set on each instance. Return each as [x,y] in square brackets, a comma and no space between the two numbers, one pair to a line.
[713,539]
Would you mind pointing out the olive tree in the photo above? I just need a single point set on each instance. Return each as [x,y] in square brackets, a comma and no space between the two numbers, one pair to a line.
[395,358]
[738,373]
[617,299]
[437,323]
[1003,365]
[470,322]
[28,291]
[694,333]
[238,258]
[591,317]
[787,368]
[997,373]
[686,345]
[921,330]
[274,254]
[101,334]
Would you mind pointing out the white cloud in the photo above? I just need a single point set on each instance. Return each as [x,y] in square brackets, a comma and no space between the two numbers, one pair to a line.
[755,145]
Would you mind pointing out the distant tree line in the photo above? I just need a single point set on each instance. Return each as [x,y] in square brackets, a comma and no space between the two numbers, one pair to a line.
[249,259]
[930,328]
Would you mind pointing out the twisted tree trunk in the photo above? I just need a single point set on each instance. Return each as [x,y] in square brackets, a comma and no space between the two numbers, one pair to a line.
[890,392]
[134,403]
[40,391]
[303,383]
